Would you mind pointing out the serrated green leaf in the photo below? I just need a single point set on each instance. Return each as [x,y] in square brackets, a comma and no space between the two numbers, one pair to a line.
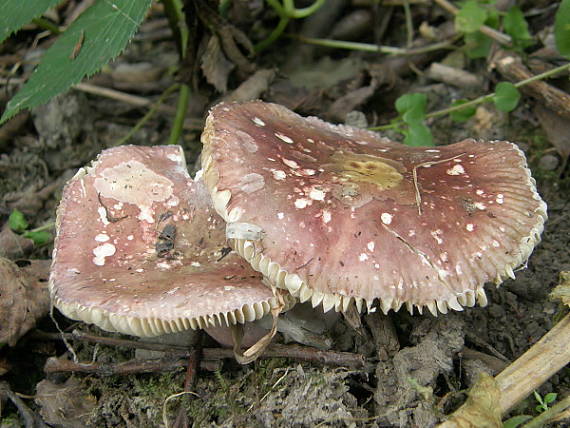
[516,421]
[562,28]
[14,14]
[517,27]
[17,221]
[506,97]
[418,135]
[41,237]
[96,37]
[470,17]
[464,114]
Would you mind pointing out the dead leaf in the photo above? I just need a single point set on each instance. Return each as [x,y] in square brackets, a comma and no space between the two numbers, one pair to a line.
[253,87]
[24,297]
[215,66]
[557,129]
[64,405]
[12,245]
[562,290]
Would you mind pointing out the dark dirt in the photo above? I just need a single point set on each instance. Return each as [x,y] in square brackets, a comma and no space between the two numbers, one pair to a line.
[419,366]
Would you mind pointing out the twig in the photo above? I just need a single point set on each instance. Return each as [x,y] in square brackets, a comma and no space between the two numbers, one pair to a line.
[297,352]
[501,38]
[535,366]
[30,420]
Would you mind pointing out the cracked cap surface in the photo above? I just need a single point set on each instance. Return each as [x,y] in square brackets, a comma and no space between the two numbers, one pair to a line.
[337,214]
[140,250]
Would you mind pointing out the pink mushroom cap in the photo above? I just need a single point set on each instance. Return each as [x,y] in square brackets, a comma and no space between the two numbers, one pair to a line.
[140,250]
[336,214]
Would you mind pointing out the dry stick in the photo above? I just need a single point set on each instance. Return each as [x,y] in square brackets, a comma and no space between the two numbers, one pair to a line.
[502,38]
[302,353]
[535,366]
[511,67]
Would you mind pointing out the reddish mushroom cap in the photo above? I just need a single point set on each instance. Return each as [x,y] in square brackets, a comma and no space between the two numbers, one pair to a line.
[139,249]
[334,213]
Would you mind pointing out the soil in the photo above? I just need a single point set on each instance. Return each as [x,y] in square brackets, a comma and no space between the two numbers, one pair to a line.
[418,367]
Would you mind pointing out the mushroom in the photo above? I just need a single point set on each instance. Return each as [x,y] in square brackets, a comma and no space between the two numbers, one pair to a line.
[139,250]
[335,214]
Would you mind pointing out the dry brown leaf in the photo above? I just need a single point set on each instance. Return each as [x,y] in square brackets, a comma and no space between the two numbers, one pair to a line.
[12,245]
[64,405]
[215,66]
[481,410]
[562,290]
[557,129]
[24,297]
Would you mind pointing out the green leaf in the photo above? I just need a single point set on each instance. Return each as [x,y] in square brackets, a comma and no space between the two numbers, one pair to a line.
[550,397]
[412,107]
[464,114]
[17,221]
[477,45]
[418,135]
[506,97]
[516,421]
[96,37]
[41,237]
[562,28]
[517,27]
[470,17]
[17,13]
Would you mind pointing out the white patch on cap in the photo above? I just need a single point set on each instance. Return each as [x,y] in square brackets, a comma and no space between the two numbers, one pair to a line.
[456,170]
[290,163]
[258,121]
[146,214]
[479,192]
[496,244]
[470,227]
[363,257]
[280,216]
[252,182]
[327,216]
[500,198]
[480,206]
[278,174]
[101,237]
[246,141]
[308,171]
[302,203]
[435,235]
[103,215]
[386,218]
[443,256]
[284,138]
[370,246]
[101,252]
[317,194]
[130,237]
[174,157]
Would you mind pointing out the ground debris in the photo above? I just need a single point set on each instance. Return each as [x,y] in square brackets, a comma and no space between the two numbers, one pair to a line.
[24,297]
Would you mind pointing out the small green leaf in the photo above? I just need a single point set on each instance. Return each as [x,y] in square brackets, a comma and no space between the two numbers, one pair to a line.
[40,237]
[562,28]
[412,107]
[464,114]
[97,36]
[17,13]
[516,421]
[418,135]
[17,221]
[517,27]
[550,397]
[470,17]
[506,97]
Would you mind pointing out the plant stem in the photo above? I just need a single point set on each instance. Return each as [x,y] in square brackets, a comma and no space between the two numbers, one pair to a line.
[47,226]
[409,23]
[181,109]
[47,25]
[367,47]
[277,31]
[148,115]
[479,100]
